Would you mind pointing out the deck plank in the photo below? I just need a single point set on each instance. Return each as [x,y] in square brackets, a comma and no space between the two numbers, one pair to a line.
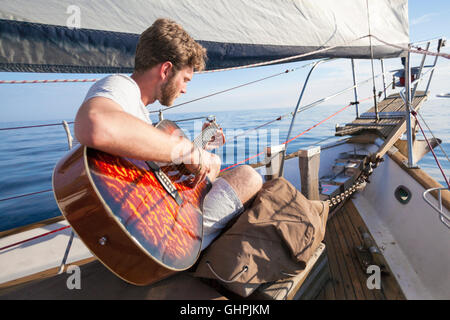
[98,283]
[328,291]
[356,221]
[335,282]
[352,264]
[348,279]
[353,225]
[342,276]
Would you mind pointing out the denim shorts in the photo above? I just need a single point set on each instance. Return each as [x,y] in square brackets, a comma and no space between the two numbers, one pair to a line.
[220,205]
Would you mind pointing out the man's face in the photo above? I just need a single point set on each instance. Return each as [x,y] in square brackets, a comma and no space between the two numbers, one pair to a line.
[175,85]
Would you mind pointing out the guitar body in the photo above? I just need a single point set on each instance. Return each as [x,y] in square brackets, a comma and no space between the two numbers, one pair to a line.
[124,215]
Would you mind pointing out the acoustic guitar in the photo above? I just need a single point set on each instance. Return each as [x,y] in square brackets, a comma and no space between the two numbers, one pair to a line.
[141,220]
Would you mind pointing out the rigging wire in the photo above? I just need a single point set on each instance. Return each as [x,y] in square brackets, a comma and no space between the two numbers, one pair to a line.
[46,81]
[307,107]
[286,59]
[418,50]
[414,113]
[222,91]
[33,238]
[431,132]
[233,88]
[371,62]
[297,136]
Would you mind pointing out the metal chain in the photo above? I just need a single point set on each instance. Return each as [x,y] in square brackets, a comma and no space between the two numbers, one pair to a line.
[344,195]
[362,179]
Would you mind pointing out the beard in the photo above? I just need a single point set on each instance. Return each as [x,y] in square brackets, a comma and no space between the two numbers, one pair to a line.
[169,92]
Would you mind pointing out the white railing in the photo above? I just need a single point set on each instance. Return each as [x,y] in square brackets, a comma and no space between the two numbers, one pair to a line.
[445,219]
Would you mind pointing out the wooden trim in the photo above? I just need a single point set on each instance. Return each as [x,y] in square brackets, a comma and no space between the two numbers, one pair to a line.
[423,178]
[391,139]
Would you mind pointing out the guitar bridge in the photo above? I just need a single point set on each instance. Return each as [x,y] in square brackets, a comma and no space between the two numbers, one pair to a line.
[165,182]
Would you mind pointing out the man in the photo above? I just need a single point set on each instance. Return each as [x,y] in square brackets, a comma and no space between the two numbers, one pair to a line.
[113,118]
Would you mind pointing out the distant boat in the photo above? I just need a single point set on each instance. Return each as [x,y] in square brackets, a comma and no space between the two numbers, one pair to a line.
[443,95]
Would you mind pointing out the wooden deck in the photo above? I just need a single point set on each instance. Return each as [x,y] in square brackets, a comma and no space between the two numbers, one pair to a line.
[348,278]
[389,111]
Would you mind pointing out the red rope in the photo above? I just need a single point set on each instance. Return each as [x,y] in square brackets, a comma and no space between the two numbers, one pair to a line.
[238,163]
[46,81]
[25,195]
[297,136]
[36,237]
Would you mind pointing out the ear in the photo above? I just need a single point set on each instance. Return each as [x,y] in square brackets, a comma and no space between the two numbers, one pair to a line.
[165,70]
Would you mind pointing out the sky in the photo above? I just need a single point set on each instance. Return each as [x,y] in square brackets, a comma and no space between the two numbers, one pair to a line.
[428,20]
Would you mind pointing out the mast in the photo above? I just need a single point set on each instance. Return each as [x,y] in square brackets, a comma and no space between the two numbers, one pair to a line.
[409,134]
[355,90]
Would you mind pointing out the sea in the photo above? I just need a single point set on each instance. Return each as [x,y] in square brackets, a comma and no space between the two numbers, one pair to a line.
[29,154]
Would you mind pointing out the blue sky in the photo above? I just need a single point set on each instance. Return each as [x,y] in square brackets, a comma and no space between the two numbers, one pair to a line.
[39,102]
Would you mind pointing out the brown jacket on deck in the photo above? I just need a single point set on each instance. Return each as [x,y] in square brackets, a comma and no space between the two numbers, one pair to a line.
[275,237]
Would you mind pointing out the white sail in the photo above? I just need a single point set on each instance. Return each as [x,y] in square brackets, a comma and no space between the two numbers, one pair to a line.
[101,36]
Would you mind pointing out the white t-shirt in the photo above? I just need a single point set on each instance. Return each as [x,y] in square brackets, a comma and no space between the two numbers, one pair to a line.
[123,90]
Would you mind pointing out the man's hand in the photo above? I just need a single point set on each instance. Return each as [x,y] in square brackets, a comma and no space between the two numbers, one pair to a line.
[202,164]
[217,140]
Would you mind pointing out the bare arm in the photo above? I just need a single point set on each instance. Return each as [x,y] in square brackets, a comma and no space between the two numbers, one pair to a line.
[102,124]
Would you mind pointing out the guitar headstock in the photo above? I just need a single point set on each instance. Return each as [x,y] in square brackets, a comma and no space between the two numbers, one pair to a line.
[212,136]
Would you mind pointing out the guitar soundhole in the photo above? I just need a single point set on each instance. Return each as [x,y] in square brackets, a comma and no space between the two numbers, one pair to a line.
[168,232]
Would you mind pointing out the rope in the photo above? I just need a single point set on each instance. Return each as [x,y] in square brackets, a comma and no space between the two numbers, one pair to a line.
[46,81]
[240,273]
[302,109]
[283,59]
[35,126]
[419,50]
[233,88]
[259,64]
[25,195]
[307,107]
[219,92]
[414,113]
[297,136]
[317,124]
[33,238]
[440,146]
[258,127]
[286,142]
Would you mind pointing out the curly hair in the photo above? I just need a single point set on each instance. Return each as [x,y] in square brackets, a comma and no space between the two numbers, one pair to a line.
[164,41]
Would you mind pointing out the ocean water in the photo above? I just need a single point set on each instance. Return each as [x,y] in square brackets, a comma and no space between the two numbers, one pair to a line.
[28,156]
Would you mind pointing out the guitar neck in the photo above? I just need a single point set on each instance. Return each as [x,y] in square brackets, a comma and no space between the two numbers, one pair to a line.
[205,136]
